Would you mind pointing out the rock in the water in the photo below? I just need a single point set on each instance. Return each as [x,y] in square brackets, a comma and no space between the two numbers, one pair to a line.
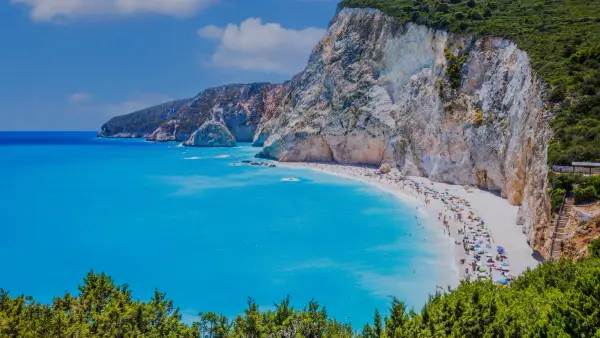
[211,134]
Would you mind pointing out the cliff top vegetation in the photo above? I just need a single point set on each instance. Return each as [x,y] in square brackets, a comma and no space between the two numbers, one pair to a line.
[562,37]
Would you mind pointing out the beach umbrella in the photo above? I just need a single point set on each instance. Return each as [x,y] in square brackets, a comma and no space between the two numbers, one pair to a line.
[489,255]
[505,268]
[478,246]
[502,281]
[500,247]
[505,263]
[482,269]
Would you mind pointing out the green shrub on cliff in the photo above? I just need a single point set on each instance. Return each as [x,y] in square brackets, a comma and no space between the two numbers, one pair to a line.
[566,180]
[562,37]
[594,248]
[585,188]
[556,199]
[554,300]
[585,194]
[454,65]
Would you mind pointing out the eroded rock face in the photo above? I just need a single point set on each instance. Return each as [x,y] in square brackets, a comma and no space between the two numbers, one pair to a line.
[377,92]
[239,107]
[143,123]
[374,92]
[211,134]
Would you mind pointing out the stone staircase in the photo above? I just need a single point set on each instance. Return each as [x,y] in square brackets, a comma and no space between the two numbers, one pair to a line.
[559,232]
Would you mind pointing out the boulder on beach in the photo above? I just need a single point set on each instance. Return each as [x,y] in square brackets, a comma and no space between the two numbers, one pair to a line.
[385,168]
[211,134]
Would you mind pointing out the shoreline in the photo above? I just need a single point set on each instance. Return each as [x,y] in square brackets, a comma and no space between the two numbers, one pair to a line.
[447,201]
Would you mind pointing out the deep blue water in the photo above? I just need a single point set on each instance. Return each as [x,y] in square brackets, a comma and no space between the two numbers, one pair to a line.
[206,231]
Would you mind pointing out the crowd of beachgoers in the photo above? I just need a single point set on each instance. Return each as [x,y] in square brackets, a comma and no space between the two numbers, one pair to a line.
[482,258]
[473,230]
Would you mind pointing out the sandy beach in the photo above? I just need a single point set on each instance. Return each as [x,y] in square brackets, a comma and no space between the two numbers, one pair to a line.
[478,221]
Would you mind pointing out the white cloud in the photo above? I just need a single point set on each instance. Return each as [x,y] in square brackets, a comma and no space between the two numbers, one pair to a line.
[81,97]
[258,46]
[211,32]
[50,10]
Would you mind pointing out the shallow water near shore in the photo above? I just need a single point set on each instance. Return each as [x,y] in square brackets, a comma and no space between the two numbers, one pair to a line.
[206,229]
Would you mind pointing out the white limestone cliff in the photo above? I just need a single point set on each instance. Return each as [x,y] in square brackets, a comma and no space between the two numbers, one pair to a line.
[375,91]
[211,134]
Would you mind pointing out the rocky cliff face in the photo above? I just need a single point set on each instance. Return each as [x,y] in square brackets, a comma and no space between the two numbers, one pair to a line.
[375,91]
[239,107]
[141,124]
[211,134]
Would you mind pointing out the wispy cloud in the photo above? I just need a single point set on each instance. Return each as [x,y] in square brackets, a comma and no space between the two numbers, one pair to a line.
[85,103]
[135,103]
[80,97]
[257,46]
[52,10]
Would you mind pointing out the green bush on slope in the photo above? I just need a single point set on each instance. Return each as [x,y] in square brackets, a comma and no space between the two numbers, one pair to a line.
[555,300]
[556,199]
[562,37]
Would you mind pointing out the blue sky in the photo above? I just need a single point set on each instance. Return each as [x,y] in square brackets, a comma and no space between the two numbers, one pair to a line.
[72,64]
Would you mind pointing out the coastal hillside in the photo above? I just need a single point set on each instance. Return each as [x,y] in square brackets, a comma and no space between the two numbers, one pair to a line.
[141,124]
[562,39]
[450,107]
[239,107]
[442,90]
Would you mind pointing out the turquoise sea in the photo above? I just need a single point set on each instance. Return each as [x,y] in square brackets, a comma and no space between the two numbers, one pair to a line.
[209,231]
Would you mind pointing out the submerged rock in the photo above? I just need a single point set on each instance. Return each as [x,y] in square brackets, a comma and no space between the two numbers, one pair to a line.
[211,134]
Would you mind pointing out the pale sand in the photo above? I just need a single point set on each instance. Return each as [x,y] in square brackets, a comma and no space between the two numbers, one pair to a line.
[499,216]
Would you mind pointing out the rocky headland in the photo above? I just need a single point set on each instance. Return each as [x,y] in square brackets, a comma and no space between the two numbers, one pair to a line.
[452,108]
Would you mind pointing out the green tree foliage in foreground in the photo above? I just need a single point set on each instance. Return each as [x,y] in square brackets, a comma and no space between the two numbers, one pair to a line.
[562,37]
[555,300]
